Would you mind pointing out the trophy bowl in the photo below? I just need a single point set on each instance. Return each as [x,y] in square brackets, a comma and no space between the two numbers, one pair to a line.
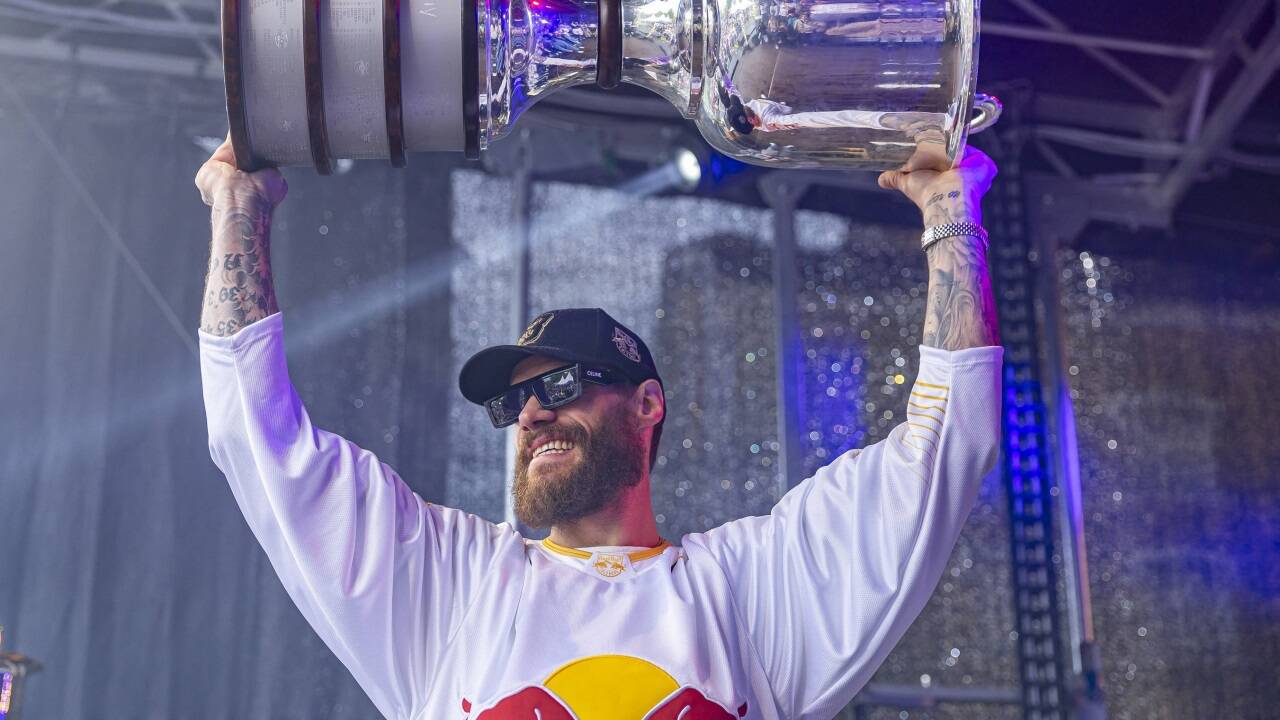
[780,83]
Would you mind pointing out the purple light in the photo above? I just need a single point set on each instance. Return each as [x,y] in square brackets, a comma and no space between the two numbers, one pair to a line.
[6,694]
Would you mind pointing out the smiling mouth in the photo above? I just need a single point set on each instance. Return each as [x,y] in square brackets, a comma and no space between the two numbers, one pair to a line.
[551,451]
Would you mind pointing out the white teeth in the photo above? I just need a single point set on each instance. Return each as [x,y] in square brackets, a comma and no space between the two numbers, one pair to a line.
[554,446]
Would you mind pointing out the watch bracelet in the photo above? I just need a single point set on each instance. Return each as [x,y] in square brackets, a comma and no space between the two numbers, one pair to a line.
[945,230]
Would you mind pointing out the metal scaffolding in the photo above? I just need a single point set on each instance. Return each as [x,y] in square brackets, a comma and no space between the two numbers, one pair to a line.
[1025,458]
[1175,130]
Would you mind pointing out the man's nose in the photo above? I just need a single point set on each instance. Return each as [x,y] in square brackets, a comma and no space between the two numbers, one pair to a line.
[533,414]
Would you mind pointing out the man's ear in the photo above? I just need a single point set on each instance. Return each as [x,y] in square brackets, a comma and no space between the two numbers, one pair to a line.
[651,405]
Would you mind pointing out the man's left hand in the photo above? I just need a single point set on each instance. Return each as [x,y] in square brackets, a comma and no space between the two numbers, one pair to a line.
[953,195]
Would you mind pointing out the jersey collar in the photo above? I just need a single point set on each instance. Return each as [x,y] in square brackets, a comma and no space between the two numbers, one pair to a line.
[635,556]
[613,564]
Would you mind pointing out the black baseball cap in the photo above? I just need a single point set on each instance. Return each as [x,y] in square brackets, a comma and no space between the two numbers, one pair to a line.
[576,335]
[736,116]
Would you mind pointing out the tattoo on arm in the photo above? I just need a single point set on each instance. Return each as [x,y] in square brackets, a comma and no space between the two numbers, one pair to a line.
[950,207]
[238,289]
[961,308]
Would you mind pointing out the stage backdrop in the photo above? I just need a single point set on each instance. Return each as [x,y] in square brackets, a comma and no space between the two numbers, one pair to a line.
[126,568]
[1172,347]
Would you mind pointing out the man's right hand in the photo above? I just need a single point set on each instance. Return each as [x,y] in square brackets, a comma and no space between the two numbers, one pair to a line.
[220,180]
[238,287]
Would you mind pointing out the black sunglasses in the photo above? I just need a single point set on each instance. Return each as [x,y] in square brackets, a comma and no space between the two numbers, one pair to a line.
[553,389]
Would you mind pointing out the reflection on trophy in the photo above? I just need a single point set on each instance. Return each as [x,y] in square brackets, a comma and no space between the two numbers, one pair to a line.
[783,83]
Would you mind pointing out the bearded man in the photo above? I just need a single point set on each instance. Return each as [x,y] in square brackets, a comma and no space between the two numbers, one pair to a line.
[440,614]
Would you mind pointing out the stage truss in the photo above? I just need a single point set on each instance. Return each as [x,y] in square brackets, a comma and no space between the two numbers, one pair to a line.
[1179,133]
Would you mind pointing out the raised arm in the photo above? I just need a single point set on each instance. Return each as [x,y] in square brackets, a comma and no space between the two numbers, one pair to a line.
[238,289]
[828,582]
[383,577]
[961,308]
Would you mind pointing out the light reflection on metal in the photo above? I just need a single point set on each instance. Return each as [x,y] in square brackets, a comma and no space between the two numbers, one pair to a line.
[904,86]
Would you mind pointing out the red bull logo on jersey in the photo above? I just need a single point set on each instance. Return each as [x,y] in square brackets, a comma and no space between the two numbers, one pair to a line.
[606,687]
[609,565]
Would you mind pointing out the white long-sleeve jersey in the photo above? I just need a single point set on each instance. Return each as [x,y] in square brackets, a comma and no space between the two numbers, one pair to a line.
[441,615]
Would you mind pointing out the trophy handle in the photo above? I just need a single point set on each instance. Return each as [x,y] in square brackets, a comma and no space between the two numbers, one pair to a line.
[986,111]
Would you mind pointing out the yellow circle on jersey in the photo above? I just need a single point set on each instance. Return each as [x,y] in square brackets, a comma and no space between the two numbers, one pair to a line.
[611,687]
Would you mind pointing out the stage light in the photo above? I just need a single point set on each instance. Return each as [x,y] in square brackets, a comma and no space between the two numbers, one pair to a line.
[689,168]
[683,172]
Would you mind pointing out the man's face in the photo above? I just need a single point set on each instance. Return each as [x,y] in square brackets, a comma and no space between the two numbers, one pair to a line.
[605,451]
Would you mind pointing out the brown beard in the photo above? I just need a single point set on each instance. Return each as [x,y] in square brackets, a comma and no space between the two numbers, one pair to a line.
[608,464]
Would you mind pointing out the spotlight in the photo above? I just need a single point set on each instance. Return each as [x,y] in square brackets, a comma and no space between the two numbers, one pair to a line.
[689,168]
[683,172]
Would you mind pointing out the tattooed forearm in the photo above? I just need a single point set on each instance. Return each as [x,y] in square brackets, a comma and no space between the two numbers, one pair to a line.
[961,309]
[238,289]
[950,207]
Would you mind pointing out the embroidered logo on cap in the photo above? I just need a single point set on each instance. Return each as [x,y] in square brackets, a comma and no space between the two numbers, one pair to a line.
[626,345]
[537,327]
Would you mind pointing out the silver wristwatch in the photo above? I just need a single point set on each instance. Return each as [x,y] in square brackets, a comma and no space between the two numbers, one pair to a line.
[946,230]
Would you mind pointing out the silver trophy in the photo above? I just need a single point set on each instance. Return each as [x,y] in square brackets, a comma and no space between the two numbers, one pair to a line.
[782,83]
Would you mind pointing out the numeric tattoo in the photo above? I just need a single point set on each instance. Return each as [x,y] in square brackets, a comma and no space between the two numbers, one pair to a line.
[238,288]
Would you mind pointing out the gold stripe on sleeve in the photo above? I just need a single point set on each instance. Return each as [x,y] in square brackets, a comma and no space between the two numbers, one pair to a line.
[939,408]
[925,427]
